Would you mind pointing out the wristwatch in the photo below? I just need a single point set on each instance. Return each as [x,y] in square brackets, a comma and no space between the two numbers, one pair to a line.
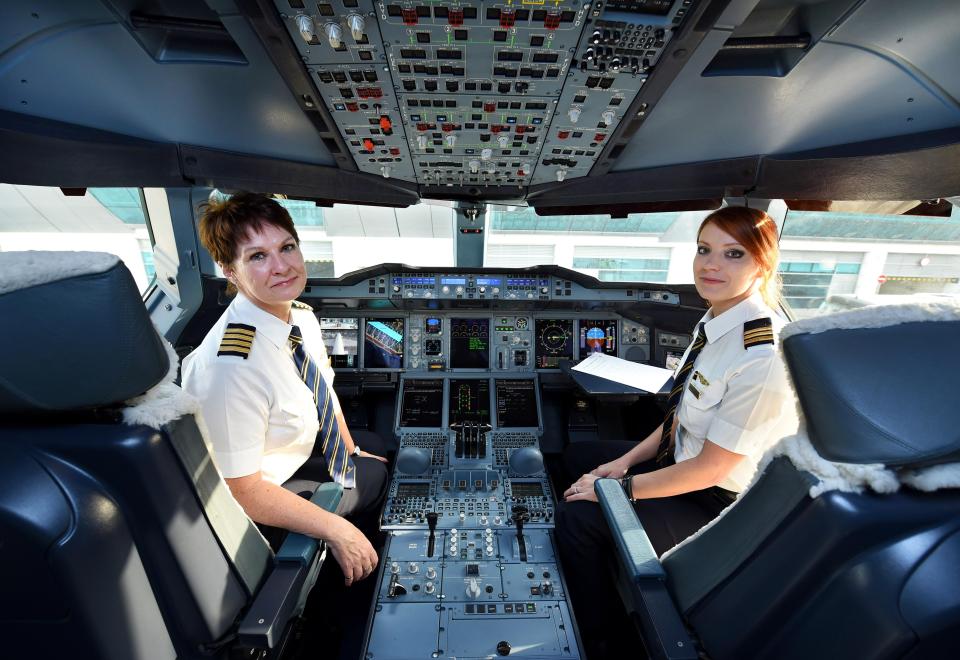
[626,482]
[356,450]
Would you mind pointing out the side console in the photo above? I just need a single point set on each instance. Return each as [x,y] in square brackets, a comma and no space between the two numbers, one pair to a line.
[470,568]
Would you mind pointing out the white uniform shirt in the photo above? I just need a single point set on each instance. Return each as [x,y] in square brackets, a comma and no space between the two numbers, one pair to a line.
[745,404]
[259,413]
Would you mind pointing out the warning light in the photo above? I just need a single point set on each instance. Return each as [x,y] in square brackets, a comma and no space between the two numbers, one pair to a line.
[552,20]
[386,125]
[368,144]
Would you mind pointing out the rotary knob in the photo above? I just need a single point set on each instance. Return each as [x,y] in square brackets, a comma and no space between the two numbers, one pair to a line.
[608,117]
[355,21]
[421,142]
[334,34]
[503,141]
[574,114]
[385,171]
[561,175]
[306,28]
[473,588]
[474,166]
[486,154]
[413,567]
[482,289]
[451,140]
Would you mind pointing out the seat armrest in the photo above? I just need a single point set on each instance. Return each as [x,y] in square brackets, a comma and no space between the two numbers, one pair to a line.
[302,548]
[643,581]
[284,592]
[636,552]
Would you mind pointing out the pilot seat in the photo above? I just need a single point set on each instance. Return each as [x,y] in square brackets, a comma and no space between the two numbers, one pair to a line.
[119,540]
[847,543]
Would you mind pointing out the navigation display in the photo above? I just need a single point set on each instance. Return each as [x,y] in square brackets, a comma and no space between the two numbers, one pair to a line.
[383,344]
[470,400]
[421,403]
[554,342]
[516,403]
[598,336]
[340,336]
[469,343]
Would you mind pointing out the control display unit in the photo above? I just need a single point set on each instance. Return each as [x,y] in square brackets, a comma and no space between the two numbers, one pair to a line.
[469,343]
[340,337]
[421,403]
[516,403]
[470,400]
[554,339]
[383,343]
[598,336]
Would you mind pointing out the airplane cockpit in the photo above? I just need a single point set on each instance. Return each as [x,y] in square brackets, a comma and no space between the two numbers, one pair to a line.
[498,207]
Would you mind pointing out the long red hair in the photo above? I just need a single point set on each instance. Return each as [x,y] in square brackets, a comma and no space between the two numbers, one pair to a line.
[757,232]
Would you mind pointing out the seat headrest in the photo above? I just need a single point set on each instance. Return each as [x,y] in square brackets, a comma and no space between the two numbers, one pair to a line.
[75,333]
[887,392]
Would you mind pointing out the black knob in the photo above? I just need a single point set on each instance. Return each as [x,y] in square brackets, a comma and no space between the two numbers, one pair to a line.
[503,648]
[432,520]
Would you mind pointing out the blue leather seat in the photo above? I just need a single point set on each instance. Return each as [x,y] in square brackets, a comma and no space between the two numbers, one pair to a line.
[845,574]
[118,540]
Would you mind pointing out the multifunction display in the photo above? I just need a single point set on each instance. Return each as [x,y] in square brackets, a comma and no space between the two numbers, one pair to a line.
[422,403]
[469,343]
[554,342]
[598,336]
[516,403]
[340,336]
[383,344]
[470,401]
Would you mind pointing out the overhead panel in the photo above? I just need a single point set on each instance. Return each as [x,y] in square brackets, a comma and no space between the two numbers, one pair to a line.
[480,95]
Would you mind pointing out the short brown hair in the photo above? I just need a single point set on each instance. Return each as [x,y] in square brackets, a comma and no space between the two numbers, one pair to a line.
[226,222]
[756,231]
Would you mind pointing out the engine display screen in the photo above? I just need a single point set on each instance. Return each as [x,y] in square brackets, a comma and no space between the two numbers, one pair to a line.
[470,400]
[383,344]
[654,7]
[421,403]
[340,336]
[469,343]
[598,336]
[554,339]
[516,403]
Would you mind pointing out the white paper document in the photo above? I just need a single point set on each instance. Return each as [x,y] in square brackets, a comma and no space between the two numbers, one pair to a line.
[632,374]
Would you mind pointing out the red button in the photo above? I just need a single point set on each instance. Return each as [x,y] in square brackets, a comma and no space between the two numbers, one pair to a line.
[368,144]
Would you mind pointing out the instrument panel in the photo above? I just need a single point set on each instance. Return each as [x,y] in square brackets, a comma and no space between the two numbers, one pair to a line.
[472,342]
[479,94]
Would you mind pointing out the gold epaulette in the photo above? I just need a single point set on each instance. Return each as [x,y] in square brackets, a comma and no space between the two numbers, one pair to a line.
[299,305]
[237,340]
[757,332]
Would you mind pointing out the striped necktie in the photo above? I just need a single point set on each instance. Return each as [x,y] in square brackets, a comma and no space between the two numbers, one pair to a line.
[663,449]
[339,462]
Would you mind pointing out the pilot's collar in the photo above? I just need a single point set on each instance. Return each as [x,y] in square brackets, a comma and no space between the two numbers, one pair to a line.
[745,310]
[267,324]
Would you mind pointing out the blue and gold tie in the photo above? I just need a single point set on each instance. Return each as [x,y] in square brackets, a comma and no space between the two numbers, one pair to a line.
[663,449]
[339,463]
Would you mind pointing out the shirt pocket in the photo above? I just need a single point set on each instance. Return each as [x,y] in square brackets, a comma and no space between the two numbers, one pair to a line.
[699,404]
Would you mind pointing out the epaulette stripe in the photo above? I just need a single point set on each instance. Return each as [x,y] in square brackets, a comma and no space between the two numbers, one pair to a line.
[237,340]
[758,332]
[236,344]
[234,353]
[238,337]
[300,305]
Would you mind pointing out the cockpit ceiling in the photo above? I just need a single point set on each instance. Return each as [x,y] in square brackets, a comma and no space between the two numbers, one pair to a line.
[577,104]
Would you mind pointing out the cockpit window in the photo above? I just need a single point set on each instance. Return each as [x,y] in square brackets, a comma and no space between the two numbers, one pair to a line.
[110,220]
[830,261]
[347,237]
[642,247]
